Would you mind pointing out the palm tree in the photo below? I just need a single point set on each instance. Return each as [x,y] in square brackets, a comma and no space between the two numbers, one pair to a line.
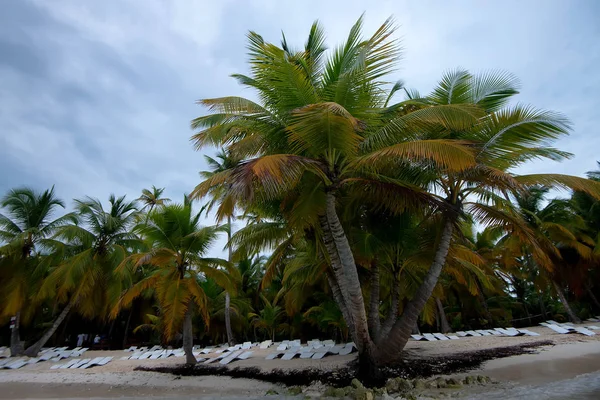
[84,279]
[151,198]
[177,262]
[28,222]
[223,162]
[269,317]
[326,132]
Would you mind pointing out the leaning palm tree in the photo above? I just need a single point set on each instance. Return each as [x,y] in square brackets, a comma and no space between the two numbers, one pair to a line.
[176,262]
[327,132]
[84,279]
[28,222]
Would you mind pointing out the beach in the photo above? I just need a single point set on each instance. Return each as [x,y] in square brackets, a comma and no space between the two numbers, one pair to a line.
[571,364]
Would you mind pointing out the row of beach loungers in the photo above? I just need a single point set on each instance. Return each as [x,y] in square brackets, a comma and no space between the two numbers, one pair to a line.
[564,328]
[54,354]
[432,337]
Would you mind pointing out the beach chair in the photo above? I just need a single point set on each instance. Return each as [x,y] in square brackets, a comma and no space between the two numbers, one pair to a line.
[418,337]
[217,358]
[180,353]
[441,336]
[453,337]
[462,334]
[132,348]
[473,333]
[265,345]
[509,332]
[328,343]
[78,353]
[584,331]
[289,355]
[154,348]
[146,355]
[136,355]
[430,337]
[246,345]
[282,347]
[307,354]
[593,327]
[348,348]
[323,351]
[80,363]
[245,355]
[558,329]
[273,356]
[157,354]
[232,356]
[68,364]
[296,343]
[483,332]
[15,364]
[91,363]
[4,362]
[528,332]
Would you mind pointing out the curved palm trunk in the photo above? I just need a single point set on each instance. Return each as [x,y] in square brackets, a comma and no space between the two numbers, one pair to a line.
[337,296]
[374,322]
[445,326]
[400,333]
[392,316]
[188,336]
[16,347]
[228,329]
[346,275]
[563,299]
[35,348]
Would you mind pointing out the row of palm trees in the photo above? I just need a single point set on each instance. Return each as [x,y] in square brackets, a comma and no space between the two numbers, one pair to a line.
[359,214]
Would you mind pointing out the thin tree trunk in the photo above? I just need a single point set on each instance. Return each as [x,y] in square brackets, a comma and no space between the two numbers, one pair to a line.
[563,299]
[127,327]
[392,316]
[188,336]
[445,326]
[228,329]
[486,310]
[374,322]
[35,348]
[16,347]
[346,274]
[400,333]
[590,293]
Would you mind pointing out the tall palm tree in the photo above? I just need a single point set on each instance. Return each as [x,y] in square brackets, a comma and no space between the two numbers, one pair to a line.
[151,198]
[223,162]
[28,222]
[325,132]
[177,262]
[84,279]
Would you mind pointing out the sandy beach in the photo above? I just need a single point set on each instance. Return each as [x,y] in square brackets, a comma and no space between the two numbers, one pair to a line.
[571,357]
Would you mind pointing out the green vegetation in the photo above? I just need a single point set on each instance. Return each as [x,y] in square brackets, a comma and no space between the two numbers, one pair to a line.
[358,215]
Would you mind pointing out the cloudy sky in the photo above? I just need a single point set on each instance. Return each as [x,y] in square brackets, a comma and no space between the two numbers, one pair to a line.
[96,96]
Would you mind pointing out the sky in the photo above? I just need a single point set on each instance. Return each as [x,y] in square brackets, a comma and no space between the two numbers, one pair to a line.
[96,97]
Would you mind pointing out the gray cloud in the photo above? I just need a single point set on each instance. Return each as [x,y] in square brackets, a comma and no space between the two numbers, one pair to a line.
[96,97]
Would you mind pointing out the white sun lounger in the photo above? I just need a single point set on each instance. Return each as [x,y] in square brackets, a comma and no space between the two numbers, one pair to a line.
[132,348]
[80,363]
[289,355]
[558,329]
[441,336]
[245,355]
[246,345]
[282,347]
[15,364]
[429,337]
[473,333]
[78,353]
[584,331]
[146,355]
[136,355]
[4,362]
[179,353]
[154,348]
[483,332]
[157,354]
[217,358]
[307,354]
[418,337]
[68,364]
[528,332]
[296,342]
[453,337]
[461,334]
[348,348]
[265,345]
[323,351]
[509,332]
[33,360]
[593,327]
[328,343]
[232,356]
[92,362]
[273,356]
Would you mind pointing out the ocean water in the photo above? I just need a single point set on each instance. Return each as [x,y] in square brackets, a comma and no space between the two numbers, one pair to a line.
[582,387]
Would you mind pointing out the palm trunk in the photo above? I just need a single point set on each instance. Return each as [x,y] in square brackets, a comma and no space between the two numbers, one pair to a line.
[337,296]
[127,327]
[374,322]
[16,347]
[230,338]
[563,299]
[486,310]
[400,333]
[346,274]
[34,349]
[392,316]
[442,314]
[590,293]
[188,336]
